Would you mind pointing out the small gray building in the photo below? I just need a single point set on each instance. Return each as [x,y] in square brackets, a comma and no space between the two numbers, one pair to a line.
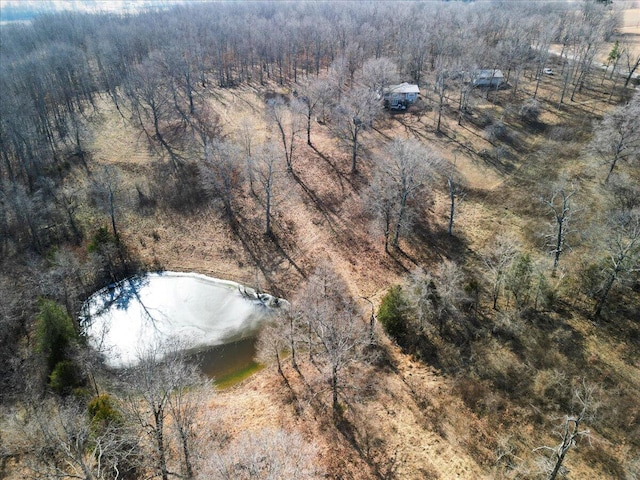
[488,78]
[399,97]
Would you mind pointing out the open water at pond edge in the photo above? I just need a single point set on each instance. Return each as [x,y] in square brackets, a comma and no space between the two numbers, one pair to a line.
[230,363]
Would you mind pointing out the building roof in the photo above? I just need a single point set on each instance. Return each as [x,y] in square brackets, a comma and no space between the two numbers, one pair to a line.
[403,88]
[495,73]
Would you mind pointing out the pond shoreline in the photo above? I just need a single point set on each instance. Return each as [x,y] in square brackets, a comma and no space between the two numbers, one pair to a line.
[123,319]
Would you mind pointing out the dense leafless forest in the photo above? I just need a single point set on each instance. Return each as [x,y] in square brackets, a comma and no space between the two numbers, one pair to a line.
[463,273]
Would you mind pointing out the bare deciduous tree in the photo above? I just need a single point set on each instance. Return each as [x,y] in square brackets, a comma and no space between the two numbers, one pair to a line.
[457,194]
[148,403]
[287,119]
[380,201]
[244,138]
[582,39]
[221,173]
[379,73]
[423,295]
[338,73]
[266,454]
[162,387]
[515,52]
[150,102]
[356,112]
[404,169]
[498,258]
[185,408]
[570,431]
[316,95]
[632,62]
[438,296]
[559,204]
[617,137]
[269,172]
[337,332]
[543,32]
[277,337]
[107,190]
[24,214]
[110,196]
[440,90]
[620,240]
[60,441]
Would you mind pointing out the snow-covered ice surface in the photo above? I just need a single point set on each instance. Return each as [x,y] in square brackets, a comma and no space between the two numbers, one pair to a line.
[123,320]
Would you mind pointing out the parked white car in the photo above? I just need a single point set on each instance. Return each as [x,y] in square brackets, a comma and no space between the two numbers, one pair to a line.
[547,71]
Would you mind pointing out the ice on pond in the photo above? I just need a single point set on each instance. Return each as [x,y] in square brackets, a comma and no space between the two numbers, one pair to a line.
[122,320]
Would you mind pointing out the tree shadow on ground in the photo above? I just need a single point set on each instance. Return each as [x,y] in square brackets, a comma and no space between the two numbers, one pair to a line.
[368,447]
[433,244]
[330,209]
[496,156]
[269,255]
[570,343]
[619,321]
[327,212]
[340,175]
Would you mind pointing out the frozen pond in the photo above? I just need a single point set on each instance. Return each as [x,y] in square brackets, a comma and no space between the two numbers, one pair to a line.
[122,321]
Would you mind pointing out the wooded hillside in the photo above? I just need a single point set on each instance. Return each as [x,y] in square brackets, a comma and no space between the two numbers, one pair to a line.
[463,273]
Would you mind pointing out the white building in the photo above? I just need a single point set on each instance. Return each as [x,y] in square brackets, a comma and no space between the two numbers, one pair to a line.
[399,97]
[488,78]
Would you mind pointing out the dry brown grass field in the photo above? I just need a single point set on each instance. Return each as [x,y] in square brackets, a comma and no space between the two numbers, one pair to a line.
[630,29]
